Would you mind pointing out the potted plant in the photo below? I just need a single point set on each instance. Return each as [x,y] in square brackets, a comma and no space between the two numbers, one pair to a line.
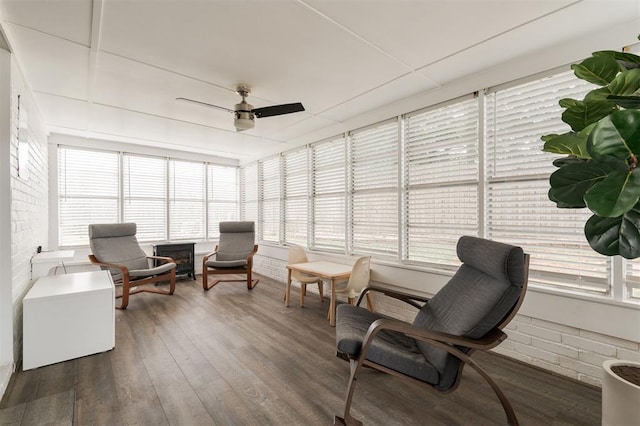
[600,171]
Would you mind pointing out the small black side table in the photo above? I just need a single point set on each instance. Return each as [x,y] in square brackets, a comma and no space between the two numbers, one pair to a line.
[181,253]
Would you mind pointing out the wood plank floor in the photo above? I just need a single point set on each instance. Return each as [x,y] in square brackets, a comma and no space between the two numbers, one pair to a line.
[235,357]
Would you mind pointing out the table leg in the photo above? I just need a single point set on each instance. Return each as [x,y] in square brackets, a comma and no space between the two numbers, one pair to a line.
[287,292]
[332,304]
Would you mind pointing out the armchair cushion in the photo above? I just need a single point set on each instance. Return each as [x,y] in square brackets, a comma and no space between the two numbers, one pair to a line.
[478,296]
[160,269]
[236,241]
[116,243]
[389,348]
[226,263]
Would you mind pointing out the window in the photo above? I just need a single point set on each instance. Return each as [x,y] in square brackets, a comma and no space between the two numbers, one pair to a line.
[518,209]
[328,196]
[222,196]
[145,195]
[373,189]
[249,193]
[186,200]
[441,178]
[88,191]
[270,199]
[169,199]
[296,182]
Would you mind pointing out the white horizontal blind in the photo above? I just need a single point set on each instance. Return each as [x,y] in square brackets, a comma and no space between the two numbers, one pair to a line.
[518,209]
[186,200]
[374,189]
[222,197]
[249,194]
[296,182]
[270,199]
[441,175]
[328,195]
[145,195]
[88,191]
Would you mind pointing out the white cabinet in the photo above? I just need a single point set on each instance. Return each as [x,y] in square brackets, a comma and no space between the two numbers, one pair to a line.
[68,316]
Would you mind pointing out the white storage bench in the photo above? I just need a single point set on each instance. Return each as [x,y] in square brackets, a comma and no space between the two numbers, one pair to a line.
[68,316]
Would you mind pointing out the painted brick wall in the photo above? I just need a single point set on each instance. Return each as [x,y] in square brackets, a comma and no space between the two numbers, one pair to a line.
[564,350]
[29,197]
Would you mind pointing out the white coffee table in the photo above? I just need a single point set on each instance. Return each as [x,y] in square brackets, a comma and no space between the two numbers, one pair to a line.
[68,316]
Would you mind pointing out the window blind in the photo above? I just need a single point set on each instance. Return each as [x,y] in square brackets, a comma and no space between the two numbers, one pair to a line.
[518,209]
[145,195]
[270,199]
[249,194]
[296,190]
[328,195]
[374,189]
[88,191]
[186,200]
[441,175]
[222,197]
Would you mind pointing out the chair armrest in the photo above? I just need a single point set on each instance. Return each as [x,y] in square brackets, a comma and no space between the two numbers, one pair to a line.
[163,258]
[250,257]
[123,269]
[208,255]
[409,298]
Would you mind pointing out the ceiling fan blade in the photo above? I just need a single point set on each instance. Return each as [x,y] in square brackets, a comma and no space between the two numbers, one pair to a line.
[277,110]
[205,104]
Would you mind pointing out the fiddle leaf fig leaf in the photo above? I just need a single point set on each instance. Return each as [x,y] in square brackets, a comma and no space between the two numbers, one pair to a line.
[614,195]
[615,235]
[569,143]
[570,182]
[581,114]
[626,83]
[617,135]
[599,70]
[628,102]
[571,159]
[599,94]
[625,60]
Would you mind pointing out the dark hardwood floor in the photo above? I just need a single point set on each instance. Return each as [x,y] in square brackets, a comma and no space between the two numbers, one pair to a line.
[235,357]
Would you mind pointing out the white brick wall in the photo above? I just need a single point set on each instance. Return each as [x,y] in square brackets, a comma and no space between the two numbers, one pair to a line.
[29,203]
[562,349]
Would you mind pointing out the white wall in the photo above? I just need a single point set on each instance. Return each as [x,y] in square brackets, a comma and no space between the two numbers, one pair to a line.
[25,207]
[561,333]
[6,316]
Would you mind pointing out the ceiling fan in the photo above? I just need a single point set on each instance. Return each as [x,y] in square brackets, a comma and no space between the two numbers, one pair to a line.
[245,114]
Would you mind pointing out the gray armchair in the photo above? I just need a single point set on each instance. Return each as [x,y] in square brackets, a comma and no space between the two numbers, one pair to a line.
[233,254]
[466,315]
[115,247]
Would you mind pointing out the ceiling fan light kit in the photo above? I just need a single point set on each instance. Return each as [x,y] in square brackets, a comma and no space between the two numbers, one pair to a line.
[245,114]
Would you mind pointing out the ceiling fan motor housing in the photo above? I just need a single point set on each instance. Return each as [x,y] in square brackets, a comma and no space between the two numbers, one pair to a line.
[244,118]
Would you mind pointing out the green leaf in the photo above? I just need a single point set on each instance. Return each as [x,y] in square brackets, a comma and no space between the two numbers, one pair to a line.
[626,83]
[570,143]
[599,94]
[568,102]
[615,235]
[615,195]
[571,159]
[570,182]
[582,114]
[625,60]
[628,102]
[598,70]
[616,135]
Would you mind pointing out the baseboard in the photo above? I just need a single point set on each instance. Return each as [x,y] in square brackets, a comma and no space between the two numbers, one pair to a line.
[5,376]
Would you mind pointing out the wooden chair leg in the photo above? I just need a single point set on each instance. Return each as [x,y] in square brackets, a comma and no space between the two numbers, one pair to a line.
[320,291]
[369,301]
[172,281]
[303,292]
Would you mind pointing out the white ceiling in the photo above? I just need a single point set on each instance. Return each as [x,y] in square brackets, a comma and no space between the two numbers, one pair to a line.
[112,69]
